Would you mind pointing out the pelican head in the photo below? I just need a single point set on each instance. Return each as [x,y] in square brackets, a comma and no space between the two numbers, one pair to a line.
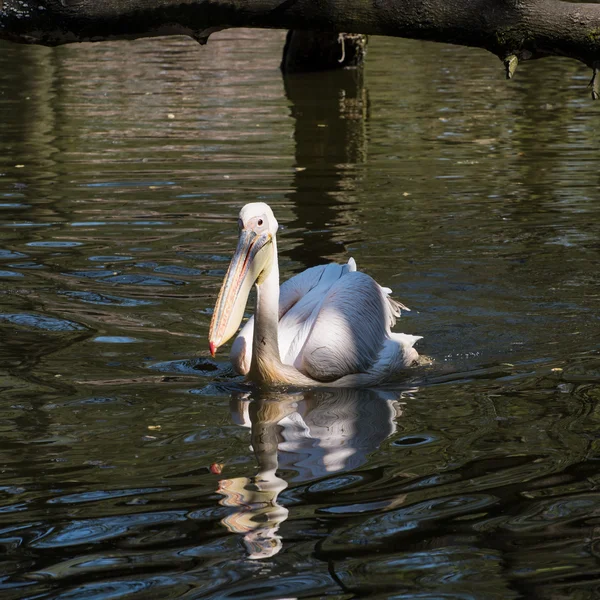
[251,263]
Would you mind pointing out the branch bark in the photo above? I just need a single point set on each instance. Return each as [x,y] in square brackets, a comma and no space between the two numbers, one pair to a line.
[514,30]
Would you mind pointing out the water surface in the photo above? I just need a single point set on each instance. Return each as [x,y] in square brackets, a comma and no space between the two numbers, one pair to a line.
[134,466]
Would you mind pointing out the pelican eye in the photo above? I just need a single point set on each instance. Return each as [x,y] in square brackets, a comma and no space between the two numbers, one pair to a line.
[260,222]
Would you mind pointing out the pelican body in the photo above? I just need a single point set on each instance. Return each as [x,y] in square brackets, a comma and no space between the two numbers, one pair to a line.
[327,326]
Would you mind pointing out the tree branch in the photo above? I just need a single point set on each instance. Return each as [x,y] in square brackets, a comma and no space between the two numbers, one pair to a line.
[514,30]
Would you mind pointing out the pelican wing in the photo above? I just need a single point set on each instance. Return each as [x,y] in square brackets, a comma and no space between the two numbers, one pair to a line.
[298,297]
[348,330]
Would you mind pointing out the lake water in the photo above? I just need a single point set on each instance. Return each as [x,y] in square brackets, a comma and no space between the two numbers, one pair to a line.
[134,466]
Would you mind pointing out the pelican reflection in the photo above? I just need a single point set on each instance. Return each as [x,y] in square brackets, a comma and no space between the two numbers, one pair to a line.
[303,436]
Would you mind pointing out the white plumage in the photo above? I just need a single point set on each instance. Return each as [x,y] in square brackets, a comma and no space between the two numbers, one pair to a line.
[333,323]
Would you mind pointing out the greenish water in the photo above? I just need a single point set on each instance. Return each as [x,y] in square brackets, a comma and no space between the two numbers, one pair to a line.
[133,466]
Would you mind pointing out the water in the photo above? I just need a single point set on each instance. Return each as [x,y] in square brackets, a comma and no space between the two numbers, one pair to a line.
[134,466]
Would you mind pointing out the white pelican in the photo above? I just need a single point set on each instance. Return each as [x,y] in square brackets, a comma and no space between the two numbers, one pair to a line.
[328,326]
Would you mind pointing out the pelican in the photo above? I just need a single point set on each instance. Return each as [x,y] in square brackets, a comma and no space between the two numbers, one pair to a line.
[327,326]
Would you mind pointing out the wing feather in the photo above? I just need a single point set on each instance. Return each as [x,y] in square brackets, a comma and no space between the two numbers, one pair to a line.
[348,331]
[295,293]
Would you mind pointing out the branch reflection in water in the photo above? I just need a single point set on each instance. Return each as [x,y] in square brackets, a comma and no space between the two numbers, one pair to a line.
[313,434]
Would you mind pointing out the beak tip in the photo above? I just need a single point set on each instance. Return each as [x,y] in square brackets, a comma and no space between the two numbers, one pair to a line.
[212,348]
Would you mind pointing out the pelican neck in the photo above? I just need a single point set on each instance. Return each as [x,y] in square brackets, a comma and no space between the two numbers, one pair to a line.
[265,343]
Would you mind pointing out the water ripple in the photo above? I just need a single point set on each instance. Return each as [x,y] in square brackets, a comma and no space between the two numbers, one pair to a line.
[446,572]
[46,323]
[89,531]
[376,531]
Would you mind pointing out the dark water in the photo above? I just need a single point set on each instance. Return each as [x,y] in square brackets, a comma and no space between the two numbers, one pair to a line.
[132,466]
